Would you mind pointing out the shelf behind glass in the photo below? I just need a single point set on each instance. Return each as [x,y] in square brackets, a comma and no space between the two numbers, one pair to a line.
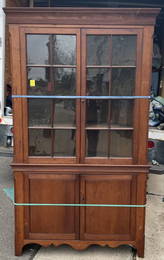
[55,126]
[106,127]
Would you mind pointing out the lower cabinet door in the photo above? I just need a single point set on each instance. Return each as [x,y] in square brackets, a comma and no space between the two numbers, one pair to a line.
[51,222]
[108,223]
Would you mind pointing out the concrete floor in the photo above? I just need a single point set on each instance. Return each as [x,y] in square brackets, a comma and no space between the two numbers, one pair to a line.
[154,243]
[92,253]
[7,216]
[154,249]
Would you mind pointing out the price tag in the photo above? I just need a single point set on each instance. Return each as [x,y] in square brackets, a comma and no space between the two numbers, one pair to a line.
[32,83]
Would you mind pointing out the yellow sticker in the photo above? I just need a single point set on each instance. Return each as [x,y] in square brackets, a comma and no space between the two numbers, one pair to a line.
[32,83]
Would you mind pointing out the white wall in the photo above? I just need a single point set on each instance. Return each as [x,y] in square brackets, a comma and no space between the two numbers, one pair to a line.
[2,56]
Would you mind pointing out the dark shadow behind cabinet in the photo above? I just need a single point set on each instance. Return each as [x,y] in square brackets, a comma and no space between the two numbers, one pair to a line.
[80,150]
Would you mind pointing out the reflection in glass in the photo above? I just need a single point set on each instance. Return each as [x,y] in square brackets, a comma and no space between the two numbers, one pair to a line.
[97,112]
[39,142]
[54,4]
[64,112]
[162,76]
[97,82]
[64,143]
[121,143]
[98,50]
[64,81]
[40,113]
[124,50]
[42,3]
[123,82]
[41,78]
[97,143]
[51,49]
[64,49]
[122,113]
[38,49]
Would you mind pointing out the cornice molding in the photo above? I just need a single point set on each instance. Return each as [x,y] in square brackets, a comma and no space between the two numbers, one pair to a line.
[85,16]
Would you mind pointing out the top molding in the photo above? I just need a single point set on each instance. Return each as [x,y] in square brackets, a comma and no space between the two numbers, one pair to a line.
[82,16]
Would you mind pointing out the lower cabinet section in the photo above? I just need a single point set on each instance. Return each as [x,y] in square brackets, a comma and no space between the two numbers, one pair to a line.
[85,222]
[80,226]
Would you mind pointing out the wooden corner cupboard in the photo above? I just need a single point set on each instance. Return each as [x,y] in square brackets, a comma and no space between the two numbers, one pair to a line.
[72,150]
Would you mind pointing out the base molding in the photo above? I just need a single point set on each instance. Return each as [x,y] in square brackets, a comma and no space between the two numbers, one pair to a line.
[81,244]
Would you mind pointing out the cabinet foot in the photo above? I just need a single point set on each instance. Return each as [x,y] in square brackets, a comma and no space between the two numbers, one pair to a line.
[140,250]
[18,250]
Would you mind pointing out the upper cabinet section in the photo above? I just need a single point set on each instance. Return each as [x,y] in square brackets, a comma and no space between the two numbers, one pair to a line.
[82,16]
[59,54]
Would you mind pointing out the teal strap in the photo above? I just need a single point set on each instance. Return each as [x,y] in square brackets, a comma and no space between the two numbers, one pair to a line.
[10,193]
[79,205]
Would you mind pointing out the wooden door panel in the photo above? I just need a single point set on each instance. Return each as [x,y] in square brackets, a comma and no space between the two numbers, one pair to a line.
[103,223]
[52,222]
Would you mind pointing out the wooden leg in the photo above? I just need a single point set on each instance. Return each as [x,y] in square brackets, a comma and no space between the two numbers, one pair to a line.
[19,213]
[140,249]
[18,250]
[140,252]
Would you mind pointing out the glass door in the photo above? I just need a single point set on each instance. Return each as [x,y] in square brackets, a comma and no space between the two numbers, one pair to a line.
[93,63]
[52,65]
[109,69]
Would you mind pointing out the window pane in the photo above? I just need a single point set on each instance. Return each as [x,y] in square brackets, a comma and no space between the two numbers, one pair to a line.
[64,49]
[40,112]
[98,50]
[97,82]
[39,142]
[123,82]
[54,4]
[121,143]
[122,113]
[39,81]
[64,80]
[124,50]
[97,143]
[41,3]
[61,82]
[64,143]
[64,112]
[38,47]
[97,112]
